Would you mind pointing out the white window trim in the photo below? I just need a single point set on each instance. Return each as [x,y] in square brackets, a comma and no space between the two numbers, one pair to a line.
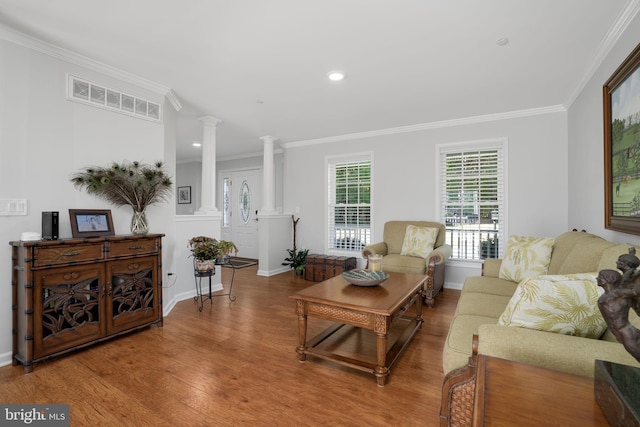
[339,158]
[480,144]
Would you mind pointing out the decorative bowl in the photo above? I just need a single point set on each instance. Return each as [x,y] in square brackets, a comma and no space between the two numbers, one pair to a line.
[361,277]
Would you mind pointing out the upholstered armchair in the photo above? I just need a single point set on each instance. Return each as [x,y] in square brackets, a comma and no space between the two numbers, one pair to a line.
[406,250]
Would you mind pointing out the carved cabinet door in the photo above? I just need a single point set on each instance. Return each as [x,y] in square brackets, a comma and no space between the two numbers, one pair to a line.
[68,307]
[132,293]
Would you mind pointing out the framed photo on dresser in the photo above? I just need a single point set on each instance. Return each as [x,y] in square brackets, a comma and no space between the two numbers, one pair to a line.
[91,222]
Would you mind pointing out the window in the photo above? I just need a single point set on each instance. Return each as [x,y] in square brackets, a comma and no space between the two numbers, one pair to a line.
[226,202]
[349,203]
[89,93]
[472,198]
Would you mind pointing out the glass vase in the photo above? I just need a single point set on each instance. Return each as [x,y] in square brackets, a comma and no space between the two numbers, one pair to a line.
[139,223]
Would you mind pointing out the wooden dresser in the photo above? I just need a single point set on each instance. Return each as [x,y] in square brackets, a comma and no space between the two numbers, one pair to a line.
[71,293]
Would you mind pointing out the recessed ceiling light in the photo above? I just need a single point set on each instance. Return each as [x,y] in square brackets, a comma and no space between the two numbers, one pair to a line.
[196,144]
[336,75]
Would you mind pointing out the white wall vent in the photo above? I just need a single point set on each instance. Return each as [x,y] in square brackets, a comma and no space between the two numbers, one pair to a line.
[86,92]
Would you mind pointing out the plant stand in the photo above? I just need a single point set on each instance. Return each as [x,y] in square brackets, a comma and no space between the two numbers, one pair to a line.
[200,296]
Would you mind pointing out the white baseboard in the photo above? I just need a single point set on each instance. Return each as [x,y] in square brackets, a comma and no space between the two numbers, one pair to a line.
[269,273]
[167,307]
[5,358]
[449,285]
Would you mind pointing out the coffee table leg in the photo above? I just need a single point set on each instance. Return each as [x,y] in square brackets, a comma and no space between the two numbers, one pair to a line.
[419,310]
[381,369]
[302,331]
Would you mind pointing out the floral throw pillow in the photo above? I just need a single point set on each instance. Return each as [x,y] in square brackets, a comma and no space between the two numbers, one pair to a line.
[564,304]
[525,257]
[419,241]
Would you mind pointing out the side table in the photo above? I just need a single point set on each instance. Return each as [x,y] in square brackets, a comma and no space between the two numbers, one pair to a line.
[510,393]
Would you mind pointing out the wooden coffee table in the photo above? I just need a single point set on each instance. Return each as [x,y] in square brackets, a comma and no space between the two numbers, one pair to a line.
[356,312]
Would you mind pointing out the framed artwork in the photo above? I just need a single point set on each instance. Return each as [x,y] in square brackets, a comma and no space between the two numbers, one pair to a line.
[621,108]
[184,195]
[91,222]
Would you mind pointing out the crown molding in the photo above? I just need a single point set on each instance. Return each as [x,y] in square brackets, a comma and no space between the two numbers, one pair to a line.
[173,99]
[29,42]
[610,39]
[432,125]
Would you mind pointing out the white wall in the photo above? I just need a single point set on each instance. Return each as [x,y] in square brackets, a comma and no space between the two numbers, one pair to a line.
[586,145]
[44,139]
[404,179]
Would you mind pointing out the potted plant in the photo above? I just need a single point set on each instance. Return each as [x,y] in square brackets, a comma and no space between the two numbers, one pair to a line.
[205,251]
[297,260]
[226,248]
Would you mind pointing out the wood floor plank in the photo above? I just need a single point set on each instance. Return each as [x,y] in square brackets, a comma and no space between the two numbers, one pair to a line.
[235,363]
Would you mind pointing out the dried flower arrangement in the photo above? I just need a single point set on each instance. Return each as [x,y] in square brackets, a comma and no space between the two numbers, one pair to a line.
[129,183]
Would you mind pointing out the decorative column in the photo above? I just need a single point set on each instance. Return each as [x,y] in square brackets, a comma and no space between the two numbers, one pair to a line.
[208,190]
[269,177]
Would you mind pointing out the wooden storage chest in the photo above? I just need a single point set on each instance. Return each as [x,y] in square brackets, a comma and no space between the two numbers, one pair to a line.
[322,267]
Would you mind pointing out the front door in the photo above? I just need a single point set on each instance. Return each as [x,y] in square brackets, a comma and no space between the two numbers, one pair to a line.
[243,208]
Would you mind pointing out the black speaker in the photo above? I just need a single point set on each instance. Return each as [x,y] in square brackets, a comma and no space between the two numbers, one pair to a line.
[49,225]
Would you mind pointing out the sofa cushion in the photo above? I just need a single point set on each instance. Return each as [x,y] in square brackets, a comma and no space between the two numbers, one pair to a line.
[584,256]
[609,257]
[482,304]
[525,257]
[575,355]
[564,245]
[403,264]
[565,304]
[418,241]
[489,285]
[459,344]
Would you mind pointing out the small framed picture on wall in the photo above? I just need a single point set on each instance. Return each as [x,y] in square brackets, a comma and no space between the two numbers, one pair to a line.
[184,195]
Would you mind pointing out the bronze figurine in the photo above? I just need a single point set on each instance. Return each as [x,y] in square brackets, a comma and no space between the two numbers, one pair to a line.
[621,293]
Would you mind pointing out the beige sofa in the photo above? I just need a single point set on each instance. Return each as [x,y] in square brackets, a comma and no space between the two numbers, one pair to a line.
[433,265]
[484,298]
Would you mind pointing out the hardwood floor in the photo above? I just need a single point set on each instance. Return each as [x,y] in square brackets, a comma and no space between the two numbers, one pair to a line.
[235,364]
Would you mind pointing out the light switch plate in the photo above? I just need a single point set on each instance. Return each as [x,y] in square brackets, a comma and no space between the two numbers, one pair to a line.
[11,207]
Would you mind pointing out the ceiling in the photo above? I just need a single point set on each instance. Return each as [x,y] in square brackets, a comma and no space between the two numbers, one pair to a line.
[260,66]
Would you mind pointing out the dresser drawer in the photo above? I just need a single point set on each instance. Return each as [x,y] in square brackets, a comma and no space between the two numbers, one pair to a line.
[57,255]
[133,247]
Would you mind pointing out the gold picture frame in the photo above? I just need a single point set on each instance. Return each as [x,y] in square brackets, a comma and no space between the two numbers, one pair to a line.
[621,94]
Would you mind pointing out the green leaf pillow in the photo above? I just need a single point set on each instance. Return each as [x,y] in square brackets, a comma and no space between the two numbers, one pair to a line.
[564,304]
[525,257]
[419,241]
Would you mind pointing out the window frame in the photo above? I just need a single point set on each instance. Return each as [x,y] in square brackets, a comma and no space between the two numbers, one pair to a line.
[499,144]
[330,163]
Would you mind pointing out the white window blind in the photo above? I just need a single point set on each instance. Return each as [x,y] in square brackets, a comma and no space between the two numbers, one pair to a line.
[472,200]
[349,204]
